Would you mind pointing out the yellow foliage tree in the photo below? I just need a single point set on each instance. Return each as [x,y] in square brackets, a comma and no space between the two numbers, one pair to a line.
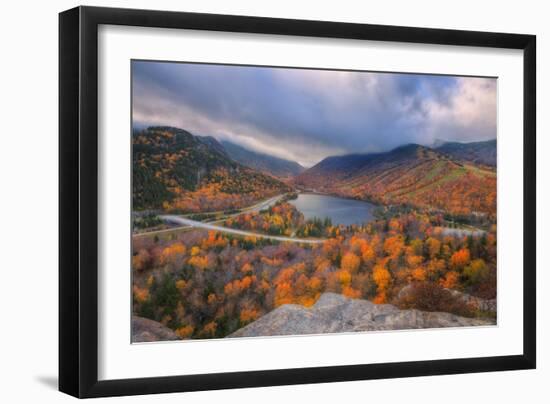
[344,277]
[199,262]
[393,246]
[171,253]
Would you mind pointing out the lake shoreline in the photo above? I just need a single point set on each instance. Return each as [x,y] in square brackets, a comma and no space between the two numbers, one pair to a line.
[372,202]
[341,211]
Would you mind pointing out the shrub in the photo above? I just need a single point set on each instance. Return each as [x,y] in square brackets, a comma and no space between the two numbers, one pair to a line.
[428,296]
[185,331]
[476,272]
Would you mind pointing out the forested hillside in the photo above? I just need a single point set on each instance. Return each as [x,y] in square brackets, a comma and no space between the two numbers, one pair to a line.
[176,171]
[412,175]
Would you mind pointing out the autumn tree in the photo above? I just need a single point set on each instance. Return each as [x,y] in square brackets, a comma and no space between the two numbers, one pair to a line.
[382,277]
[460,259]
[350,262]
[248,314]
[450,281]
[185,331]
[141,260]
[393,246]
[476,272]
[172,253]
[433,246]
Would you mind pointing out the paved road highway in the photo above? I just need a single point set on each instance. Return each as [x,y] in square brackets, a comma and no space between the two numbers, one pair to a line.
[210,226]
[188,223]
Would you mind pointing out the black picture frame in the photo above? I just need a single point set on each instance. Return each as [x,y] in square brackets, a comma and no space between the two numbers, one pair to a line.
[78,200]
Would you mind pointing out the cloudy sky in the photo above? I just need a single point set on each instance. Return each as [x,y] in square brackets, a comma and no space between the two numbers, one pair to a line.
[307,115]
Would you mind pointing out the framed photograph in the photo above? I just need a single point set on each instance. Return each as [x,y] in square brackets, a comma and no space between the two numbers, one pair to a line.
[251,201]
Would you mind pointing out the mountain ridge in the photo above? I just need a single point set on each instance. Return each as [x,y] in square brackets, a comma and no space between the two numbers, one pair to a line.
[175,170]
[483,152]
[411,174]
[263,162]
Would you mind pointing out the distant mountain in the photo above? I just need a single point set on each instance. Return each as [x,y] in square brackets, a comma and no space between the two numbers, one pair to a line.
[174,170]
[438,142]
[351,164]
[275,166]
[476,152]
[410,174]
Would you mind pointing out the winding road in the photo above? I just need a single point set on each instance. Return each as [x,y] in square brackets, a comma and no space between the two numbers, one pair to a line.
[188,223]
[210,226]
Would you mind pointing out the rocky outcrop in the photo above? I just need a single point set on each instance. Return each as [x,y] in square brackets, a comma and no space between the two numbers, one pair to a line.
[145,330]
[336,313]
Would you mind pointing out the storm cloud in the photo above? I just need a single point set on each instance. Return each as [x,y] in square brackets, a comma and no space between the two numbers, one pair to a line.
[307,115]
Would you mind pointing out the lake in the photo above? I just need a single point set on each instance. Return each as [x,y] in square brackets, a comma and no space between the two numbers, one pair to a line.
[340,210]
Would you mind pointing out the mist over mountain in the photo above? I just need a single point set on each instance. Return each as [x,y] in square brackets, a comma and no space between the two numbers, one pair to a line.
[214,144]
[275,166]
[476,152]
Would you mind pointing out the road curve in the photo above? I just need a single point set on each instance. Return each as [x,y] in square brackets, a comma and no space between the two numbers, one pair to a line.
[254,208]
[262,205]
[209,226]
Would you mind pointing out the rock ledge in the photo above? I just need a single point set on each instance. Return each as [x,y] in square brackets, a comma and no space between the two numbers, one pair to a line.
[334,313]
[145,330]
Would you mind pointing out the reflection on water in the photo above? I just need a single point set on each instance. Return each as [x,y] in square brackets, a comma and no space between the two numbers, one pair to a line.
[340,210]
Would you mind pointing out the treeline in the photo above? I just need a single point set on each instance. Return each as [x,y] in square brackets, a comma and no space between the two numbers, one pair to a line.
[280,219]
[284,219]
[146,221]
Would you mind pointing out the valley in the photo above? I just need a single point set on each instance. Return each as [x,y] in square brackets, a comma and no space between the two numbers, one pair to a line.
[410,175]
[223,235]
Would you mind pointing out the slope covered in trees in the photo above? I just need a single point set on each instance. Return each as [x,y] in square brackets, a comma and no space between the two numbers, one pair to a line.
[411,175]
[207,284]
[283,219]
[176,171]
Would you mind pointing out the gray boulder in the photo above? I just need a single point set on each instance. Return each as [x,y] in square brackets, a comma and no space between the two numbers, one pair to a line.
[145,330]
[334,313]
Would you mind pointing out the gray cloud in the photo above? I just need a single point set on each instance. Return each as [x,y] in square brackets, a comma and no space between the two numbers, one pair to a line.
[306,115]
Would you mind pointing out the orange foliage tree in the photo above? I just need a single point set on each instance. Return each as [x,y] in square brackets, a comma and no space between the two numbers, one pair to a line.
[460,259]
